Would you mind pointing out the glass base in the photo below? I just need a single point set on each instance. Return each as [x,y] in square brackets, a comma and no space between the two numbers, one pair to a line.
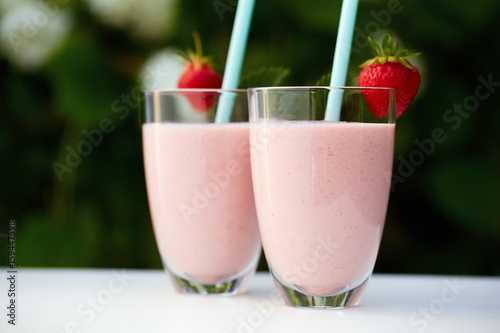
[298,299]
[226,288]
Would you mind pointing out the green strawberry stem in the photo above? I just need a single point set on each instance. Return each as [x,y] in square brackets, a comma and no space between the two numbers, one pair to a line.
[197,44]
[388,52]
[196,57]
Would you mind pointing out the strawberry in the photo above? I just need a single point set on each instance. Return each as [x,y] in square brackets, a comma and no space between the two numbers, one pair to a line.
[198,73]
[389,69]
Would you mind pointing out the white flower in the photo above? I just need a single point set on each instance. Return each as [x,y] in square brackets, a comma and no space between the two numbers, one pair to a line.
[161,70]
[151,19]
[32,30]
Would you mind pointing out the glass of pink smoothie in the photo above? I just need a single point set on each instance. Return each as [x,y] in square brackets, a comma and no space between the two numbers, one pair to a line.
[321,189]
[200,190]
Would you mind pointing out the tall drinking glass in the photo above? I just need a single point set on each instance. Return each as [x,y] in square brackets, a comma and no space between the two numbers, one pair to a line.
[200,189]
[321,189]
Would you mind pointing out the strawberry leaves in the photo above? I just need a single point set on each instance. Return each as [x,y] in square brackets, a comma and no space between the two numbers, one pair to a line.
[375,46]
[388,52]
[387,44]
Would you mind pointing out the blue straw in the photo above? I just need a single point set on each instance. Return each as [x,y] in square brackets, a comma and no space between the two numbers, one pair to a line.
[341,58]
[235,56]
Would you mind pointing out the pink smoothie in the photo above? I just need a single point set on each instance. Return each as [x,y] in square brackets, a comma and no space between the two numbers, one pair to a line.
[321,191]
[201,199]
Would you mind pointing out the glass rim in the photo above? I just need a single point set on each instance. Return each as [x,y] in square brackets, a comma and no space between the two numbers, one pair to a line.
[192,90]
[257,89]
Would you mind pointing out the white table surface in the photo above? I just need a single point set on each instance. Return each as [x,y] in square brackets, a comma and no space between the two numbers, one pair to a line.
[76,300]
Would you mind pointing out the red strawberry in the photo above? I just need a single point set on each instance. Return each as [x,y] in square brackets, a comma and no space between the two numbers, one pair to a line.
[391,70]
[198,73]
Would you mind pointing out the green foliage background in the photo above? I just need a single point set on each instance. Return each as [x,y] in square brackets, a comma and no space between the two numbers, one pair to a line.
[443,218]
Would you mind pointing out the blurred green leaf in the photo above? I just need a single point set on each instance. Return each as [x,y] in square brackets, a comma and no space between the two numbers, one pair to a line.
[322,14]
[320,98]
[467,192]
[43,242]
[264,77]
[89,228]
[85,82]
[324,81]
[449,23]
